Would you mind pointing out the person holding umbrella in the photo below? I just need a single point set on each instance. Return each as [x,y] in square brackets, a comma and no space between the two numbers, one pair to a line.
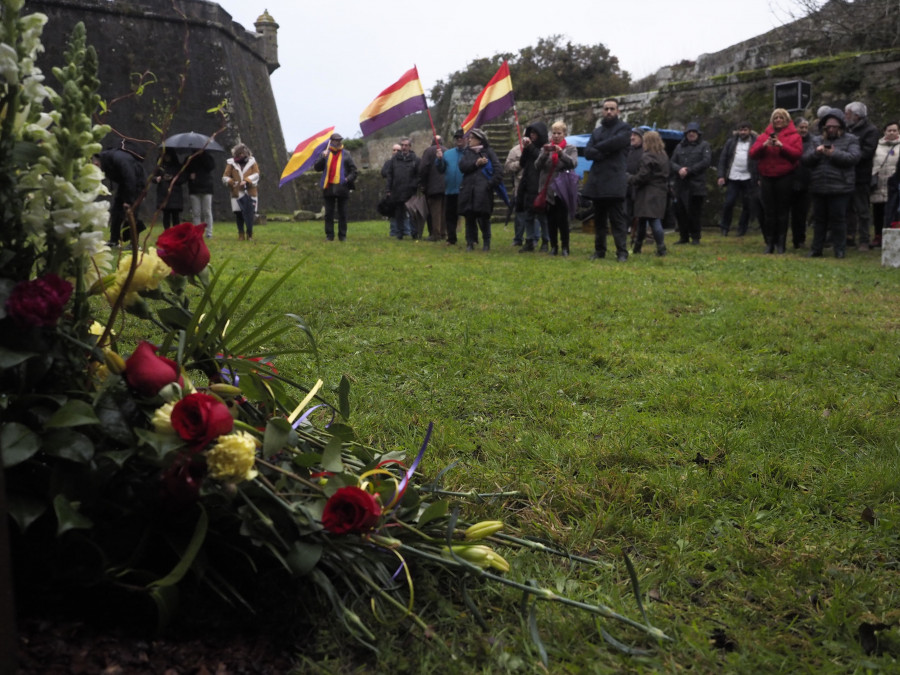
[241,177]
[199,168]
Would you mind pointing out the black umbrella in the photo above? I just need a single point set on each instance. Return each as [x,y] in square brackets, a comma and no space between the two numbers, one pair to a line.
[191,140]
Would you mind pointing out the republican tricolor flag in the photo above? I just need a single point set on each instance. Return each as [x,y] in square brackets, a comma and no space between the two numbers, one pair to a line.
[305,155]
[402,98]
[494,100]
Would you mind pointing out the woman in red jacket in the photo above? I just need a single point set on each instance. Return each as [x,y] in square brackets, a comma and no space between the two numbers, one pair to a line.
[777,151]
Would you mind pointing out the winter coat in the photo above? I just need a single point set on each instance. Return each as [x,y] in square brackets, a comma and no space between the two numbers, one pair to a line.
[403,176]
[868,136]
[167,172]
[476,194]
[696,157]
[342,190]
[452,174]
[651,185]
[800,178]
[125,170]
[530,173]
[431,173]
[772,161]
[201,168]
[241,180]
[607,149]
[835,174]
[726,157]
[513,167]
[568,158]
[883,166]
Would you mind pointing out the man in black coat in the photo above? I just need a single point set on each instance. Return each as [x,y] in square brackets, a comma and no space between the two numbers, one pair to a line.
[859,214]
[533,222]
[338,180]
[124,166]
[607,182]
[402,183]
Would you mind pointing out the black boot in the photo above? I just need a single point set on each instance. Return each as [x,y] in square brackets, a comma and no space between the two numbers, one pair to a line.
[780,244]
[528,247]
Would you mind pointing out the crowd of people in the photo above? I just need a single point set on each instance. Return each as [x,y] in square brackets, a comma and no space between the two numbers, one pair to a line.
[846,175]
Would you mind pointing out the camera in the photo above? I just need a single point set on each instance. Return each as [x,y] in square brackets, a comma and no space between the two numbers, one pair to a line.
[773,136]
[827,146]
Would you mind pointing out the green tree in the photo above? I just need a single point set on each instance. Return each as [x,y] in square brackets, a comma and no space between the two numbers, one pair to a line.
[552,69]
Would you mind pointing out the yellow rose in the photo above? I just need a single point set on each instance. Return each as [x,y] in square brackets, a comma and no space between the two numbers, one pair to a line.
[231,460]
[162,419]
[151,270]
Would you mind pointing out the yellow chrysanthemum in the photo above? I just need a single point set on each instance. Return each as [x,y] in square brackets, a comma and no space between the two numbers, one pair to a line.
[231,459]
[162,419]
[151,270]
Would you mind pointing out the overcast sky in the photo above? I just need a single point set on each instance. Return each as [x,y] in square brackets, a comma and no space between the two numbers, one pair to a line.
[337,56]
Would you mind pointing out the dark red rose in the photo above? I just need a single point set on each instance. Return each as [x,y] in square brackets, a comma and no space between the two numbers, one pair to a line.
[39,302]
[200,419]
[183,249]
[350,509]
[147,373]
[180,483]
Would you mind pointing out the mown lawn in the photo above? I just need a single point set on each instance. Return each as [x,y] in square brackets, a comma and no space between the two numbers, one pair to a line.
[726,418]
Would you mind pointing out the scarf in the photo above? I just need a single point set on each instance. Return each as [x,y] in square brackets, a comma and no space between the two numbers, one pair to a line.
[555,156]
[334,168]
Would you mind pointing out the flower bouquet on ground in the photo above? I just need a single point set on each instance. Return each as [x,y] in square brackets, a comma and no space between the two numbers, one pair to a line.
[186,464]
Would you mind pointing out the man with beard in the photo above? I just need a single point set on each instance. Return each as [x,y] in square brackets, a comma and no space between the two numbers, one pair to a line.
[607,182]
[738,174]
[831,158]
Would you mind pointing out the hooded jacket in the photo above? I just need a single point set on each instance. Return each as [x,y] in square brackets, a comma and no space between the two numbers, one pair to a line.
[529,182]
[835,174]
[696,157]
[772,161]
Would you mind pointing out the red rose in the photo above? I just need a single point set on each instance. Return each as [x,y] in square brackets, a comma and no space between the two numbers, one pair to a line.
[183,249]
[200,419]
[180,486]
[350,510]
[39,302]
[147,373]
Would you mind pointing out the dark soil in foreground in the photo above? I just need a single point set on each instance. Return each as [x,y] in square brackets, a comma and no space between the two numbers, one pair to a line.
[66,647]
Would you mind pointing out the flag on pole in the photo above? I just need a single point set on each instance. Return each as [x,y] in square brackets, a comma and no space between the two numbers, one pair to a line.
[495,99]
[305,155]
[402,98]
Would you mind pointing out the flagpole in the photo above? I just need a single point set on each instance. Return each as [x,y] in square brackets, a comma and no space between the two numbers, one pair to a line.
[518,127]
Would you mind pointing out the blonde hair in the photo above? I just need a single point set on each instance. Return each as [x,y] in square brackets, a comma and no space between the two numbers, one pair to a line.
[559,125]
[653,142]
[779,111]
[240,148]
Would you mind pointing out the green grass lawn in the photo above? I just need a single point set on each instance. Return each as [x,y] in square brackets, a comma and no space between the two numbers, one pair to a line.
[726,418]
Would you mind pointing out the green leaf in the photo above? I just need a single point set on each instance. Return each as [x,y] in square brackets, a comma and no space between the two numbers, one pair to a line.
[17,443]
[187,558]
[433,512]
[161,443]
[173,317]
[10,358]
[167,599]
[25,510]
[278,433]
[303,557]
[344,397]
[68,517]
[69,444]
[306,459]
[331,457]
[73,413]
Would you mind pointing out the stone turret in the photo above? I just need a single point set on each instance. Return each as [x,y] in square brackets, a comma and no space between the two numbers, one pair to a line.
[265,25]
[198,63]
